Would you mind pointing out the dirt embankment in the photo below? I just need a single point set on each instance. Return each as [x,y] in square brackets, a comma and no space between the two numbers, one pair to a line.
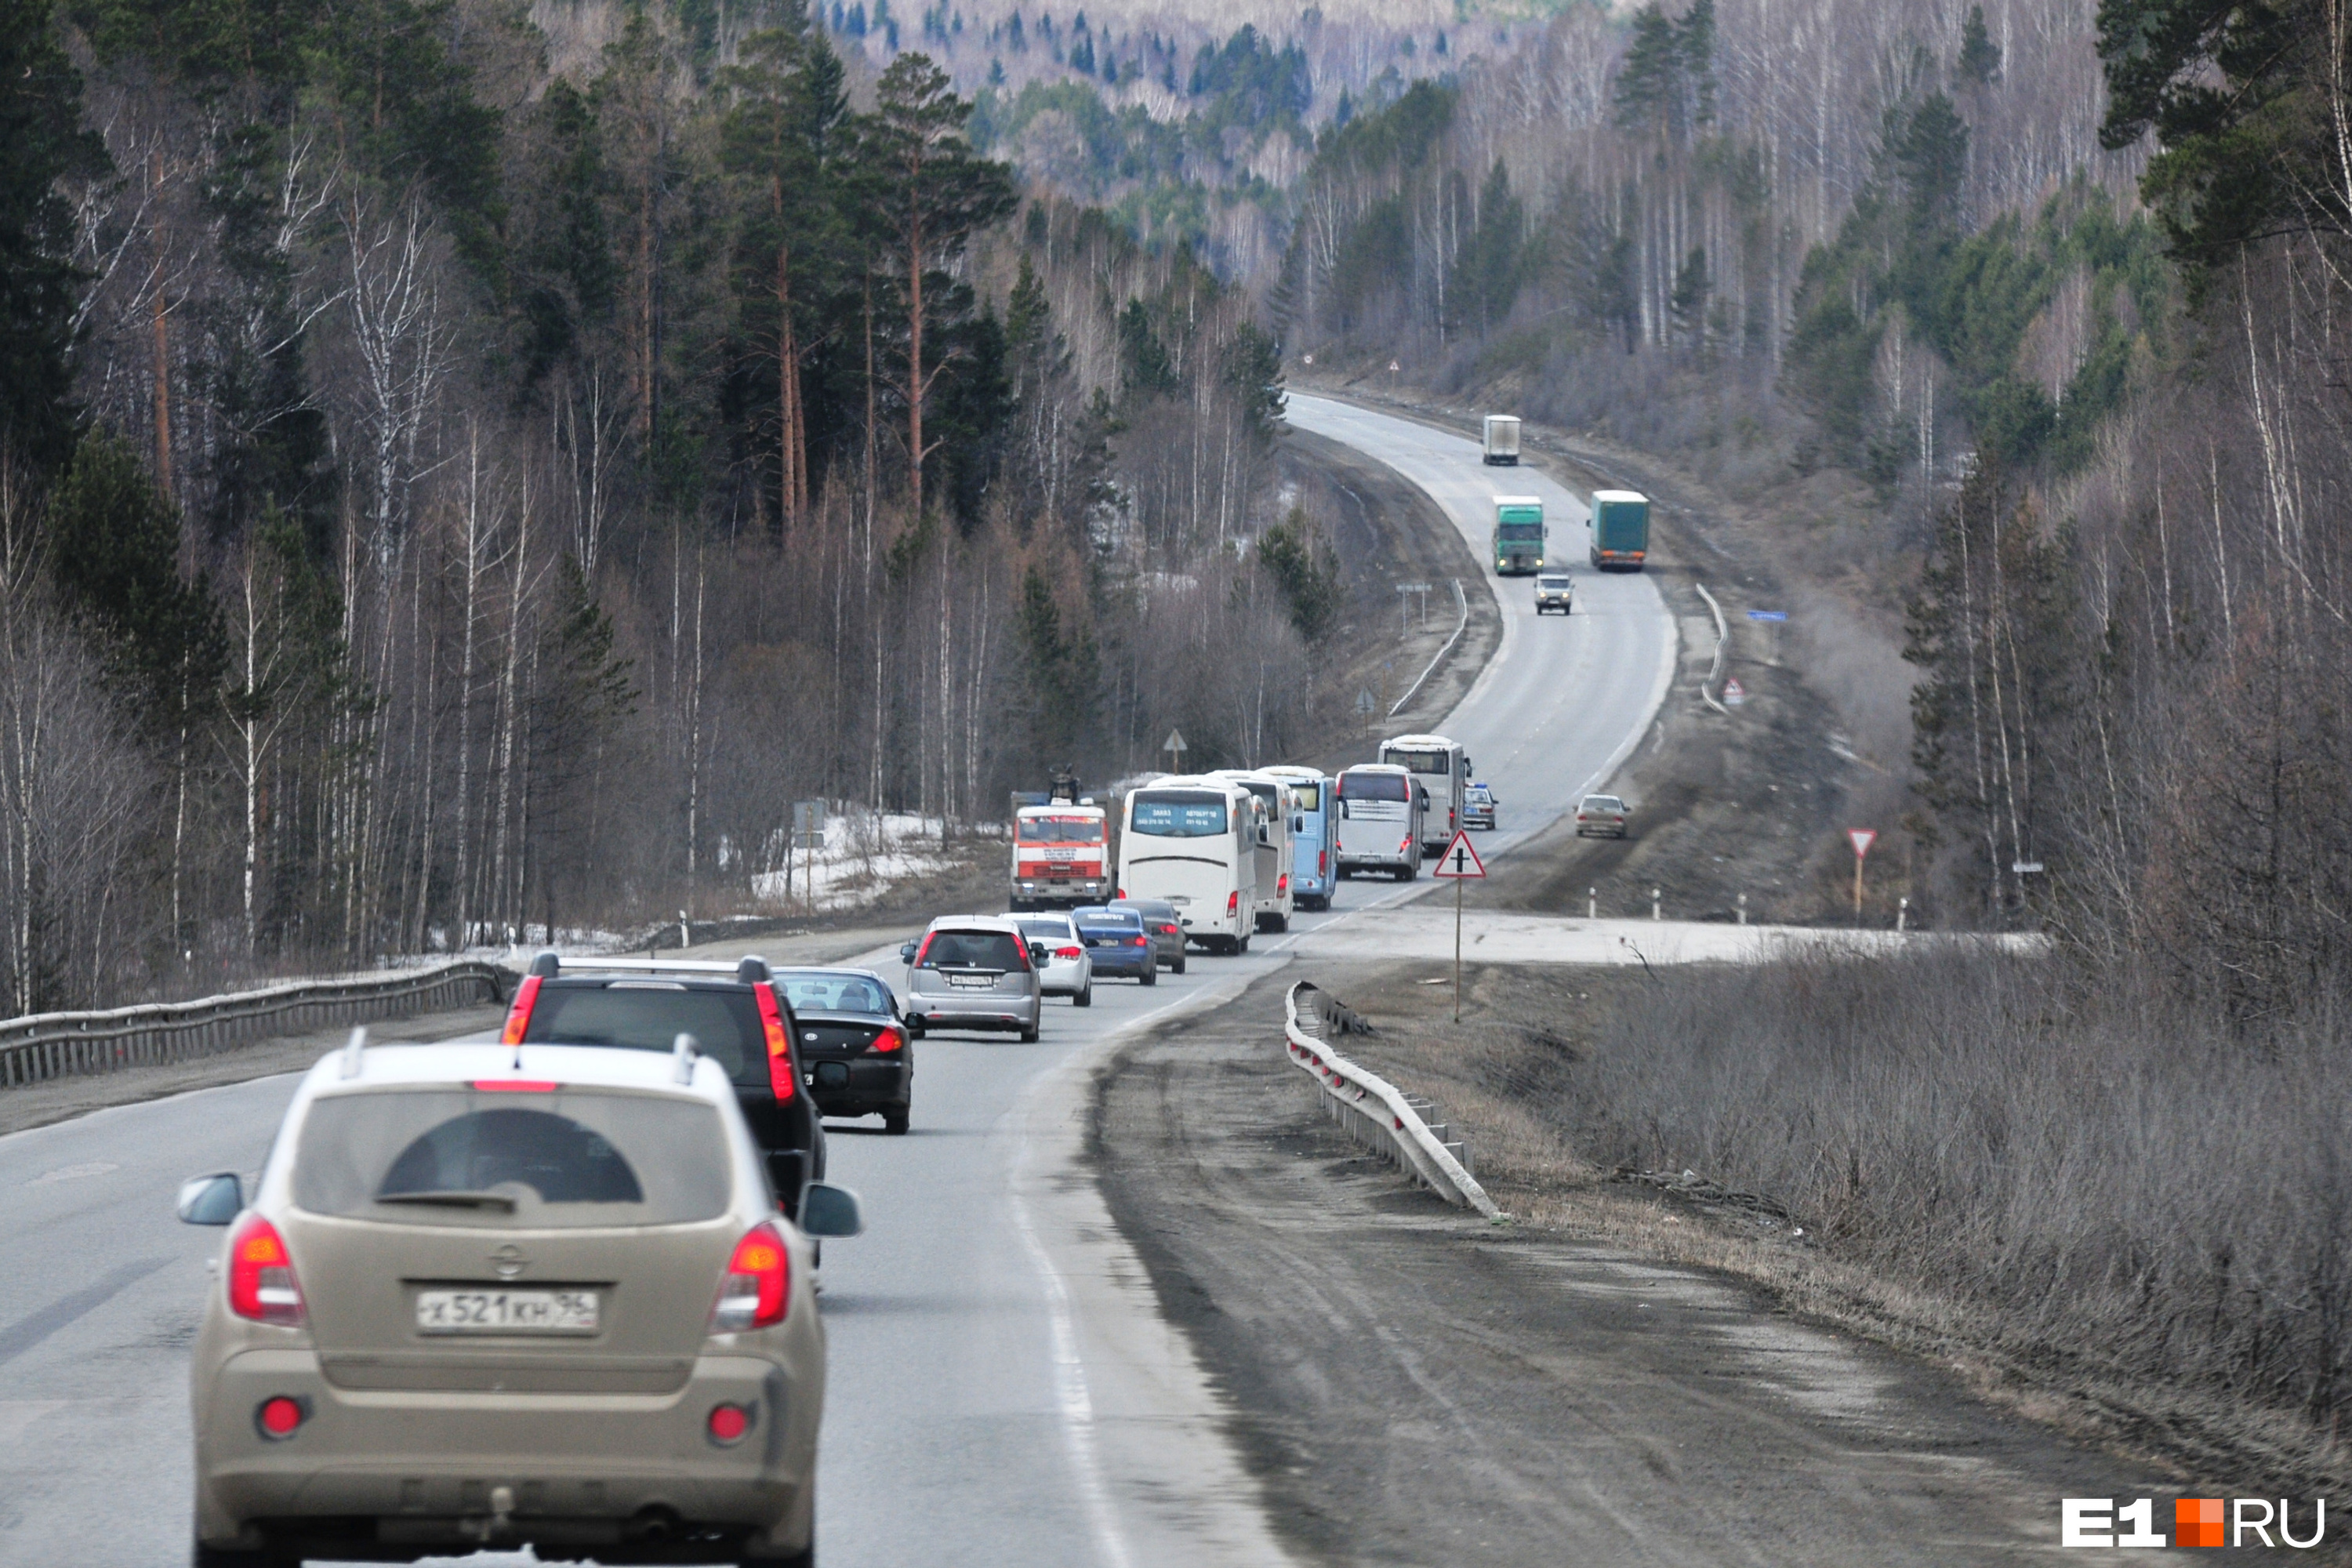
[1414,1385]
[1754,797]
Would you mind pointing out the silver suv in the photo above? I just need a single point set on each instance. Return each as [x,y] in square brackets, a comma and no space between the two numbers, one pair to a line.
[975,972]
[498,1295]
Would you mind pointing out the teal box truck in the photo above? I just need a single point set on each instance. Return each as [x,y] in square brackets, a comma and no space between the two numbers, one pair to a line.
[1518,534]
[1619,529]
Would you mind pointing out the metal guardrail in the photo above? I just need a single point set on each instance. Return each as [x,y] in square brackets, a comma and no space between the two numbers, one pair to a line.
[45,1046]
[1375,1112]
[1431,669]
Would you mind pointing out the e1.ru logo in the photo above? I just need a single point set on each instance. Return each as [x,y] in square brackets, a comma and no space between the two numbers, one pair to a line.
[2196,1521]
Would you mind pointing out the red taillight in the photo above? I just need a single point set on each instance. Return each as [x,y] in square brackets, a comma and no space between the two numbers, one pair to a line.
[278,1417]
[1167,930]
[1282,884]
[1143,941]
[1405,845]
[758,1286]
[888,1040]
[519,1016]
[261,1284]
[1322,861]
[1070,952]
[1122,892]
[729,1423]
[779,1045]
[1233,903]
[515,1085]
[925,950]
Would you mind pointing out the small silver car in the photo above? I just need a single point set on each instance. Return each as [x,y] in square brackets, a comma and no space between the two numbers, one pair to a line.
[1555,591]
[1068,970]
[498,1296]
[974,971]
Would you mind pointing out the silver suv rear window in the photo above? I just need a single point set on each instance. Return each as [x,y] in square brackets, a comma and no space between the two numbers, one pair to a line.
[550,1159]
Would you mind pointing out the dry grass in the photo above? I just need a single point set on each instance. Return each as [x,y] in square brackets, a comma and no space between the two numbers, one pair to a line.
[2106,1214]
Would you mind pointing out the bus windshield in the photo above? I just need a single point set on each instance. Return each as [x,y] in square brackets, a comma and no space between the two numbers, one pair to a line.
[1419,761]
[1178,814]
[1309,796]
[1061,830]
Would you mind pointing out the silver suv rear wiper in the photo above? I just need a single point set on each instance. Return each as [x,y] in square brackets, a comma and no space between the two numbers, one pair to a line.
[455,1200]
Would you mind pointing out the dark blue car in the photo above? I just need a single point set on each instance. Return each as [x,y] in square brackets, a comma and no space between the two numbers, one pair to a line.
[1117,943]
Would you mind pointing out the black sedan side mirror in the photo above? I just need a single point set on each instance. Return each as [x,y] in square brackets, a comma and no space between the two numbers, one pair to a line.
[215,1199]
[831,1211]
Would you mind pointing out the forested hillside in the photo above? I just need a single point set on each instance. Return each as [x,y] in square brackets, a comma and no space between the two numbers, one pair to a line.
[2020,319]
[459,474]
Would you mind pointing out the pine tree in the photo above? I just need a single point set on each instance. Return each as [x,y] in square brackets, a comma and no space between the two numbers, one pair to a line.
[1980,60]
[40,126]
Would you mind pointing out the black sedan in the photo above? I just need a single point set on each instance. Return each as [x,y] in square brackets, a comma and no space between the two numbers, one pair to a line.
[858,1051]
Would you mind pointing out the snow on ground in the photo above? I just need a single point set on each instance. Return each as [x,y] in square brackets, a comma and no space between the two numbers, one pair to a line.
[865,854]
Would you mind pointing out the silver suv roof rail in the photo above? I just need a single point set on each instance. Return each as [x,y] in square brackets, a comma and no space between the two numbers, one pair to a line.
[751,971]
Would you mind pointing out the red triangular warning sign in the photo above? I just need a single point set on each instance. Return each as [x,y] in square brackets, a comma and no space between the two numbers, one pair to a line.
[1460,859]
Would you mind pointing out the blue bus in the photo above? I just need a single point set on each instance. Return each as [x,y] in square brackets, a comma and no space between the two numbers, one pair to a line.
[1314,865]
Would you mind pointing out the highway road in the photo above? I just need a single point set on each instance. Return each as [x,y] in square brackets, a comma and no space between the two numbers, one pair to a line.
[1005,1388]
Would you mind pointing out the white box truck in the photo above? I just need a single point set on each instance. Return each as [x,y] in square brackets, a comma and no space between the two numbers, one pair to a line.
[1502,441]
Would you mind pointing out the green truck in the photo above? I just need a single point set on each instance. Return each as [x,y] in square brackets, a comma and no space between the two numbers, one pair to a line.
[1518,534]
[1619,529]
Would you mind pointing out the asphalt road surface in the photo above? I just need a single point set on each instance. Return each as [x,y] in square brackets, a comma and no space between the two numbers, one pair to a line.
[1005,1385]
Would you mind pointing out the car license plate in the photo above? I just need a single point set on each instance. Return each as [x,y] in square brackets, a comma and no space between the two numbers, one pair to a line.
[506,1312]
[973,982]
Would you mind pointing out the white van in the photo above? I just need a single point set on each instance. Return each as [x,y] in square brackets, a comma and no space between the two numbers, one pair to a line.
[1444,769]
[1276,858]
[1193,842]
[1381,810]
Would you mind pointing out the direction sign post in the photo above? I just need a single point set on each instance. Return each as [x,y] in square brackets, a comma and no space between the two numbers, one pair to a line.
[1175,747]
[1862,838]
[1458,864]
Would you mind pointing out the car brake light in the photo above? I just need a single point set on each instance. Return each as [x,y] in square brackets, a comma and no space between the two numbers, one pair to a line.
[1322,861]
[727,1424]
[515,1085]
[924,951]
[888,1040]
[1122,892]
[779,1045]
[1234,901]
[1282,884]
[261,1284]
[758,1286]
[277,1417]
[1143,941]
[519,1016]
[1070,952]
[1405,845]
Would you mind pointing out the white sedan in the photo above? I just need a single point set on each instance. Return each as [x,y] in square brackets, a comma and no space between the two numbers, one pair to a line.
[1067,971]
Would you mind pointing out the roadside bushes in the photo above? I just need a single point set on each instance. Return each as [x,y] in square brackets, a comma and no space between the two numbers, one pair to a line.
[2122,1182]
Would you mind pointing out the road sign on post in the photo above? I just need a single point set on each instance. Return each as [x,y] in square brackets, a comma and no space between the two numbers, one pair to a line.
[1862,838]
[1175,747]
[1459,864]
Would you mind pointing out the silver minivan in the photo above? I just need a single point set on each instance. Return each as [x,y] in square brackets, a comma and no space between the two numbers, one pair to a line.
[491,1296]
[975,972]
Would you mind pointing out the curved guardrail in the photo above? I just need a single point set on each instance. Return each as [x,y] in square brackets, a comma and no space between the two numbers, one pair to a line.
[1374,1112]
[43,1046]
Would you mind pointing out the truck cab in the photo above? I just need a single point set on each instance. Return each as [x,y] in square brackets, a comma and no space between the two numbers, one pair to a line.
[1059,856]
[1519,535]
[1314,867]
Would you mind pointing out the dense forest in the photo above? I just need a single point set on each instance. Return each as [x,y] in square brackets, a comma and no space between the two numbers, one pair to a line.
[2045,309]
[441,494]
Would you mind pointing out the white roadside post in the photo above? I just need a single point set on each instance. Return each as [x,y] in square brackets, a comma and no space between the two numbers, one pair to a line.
[1862,838]
[1459,864]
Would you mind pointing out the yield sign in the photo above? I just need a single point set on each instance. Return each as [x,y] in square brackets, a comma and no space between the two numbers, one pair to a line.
[1460,859]
[1862,838]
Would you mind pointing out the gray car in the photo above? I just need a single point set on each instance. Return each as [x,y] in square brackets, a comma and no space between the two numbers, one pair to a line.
[1555,591]
[1166,927]
[975,972]
[504,1296]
